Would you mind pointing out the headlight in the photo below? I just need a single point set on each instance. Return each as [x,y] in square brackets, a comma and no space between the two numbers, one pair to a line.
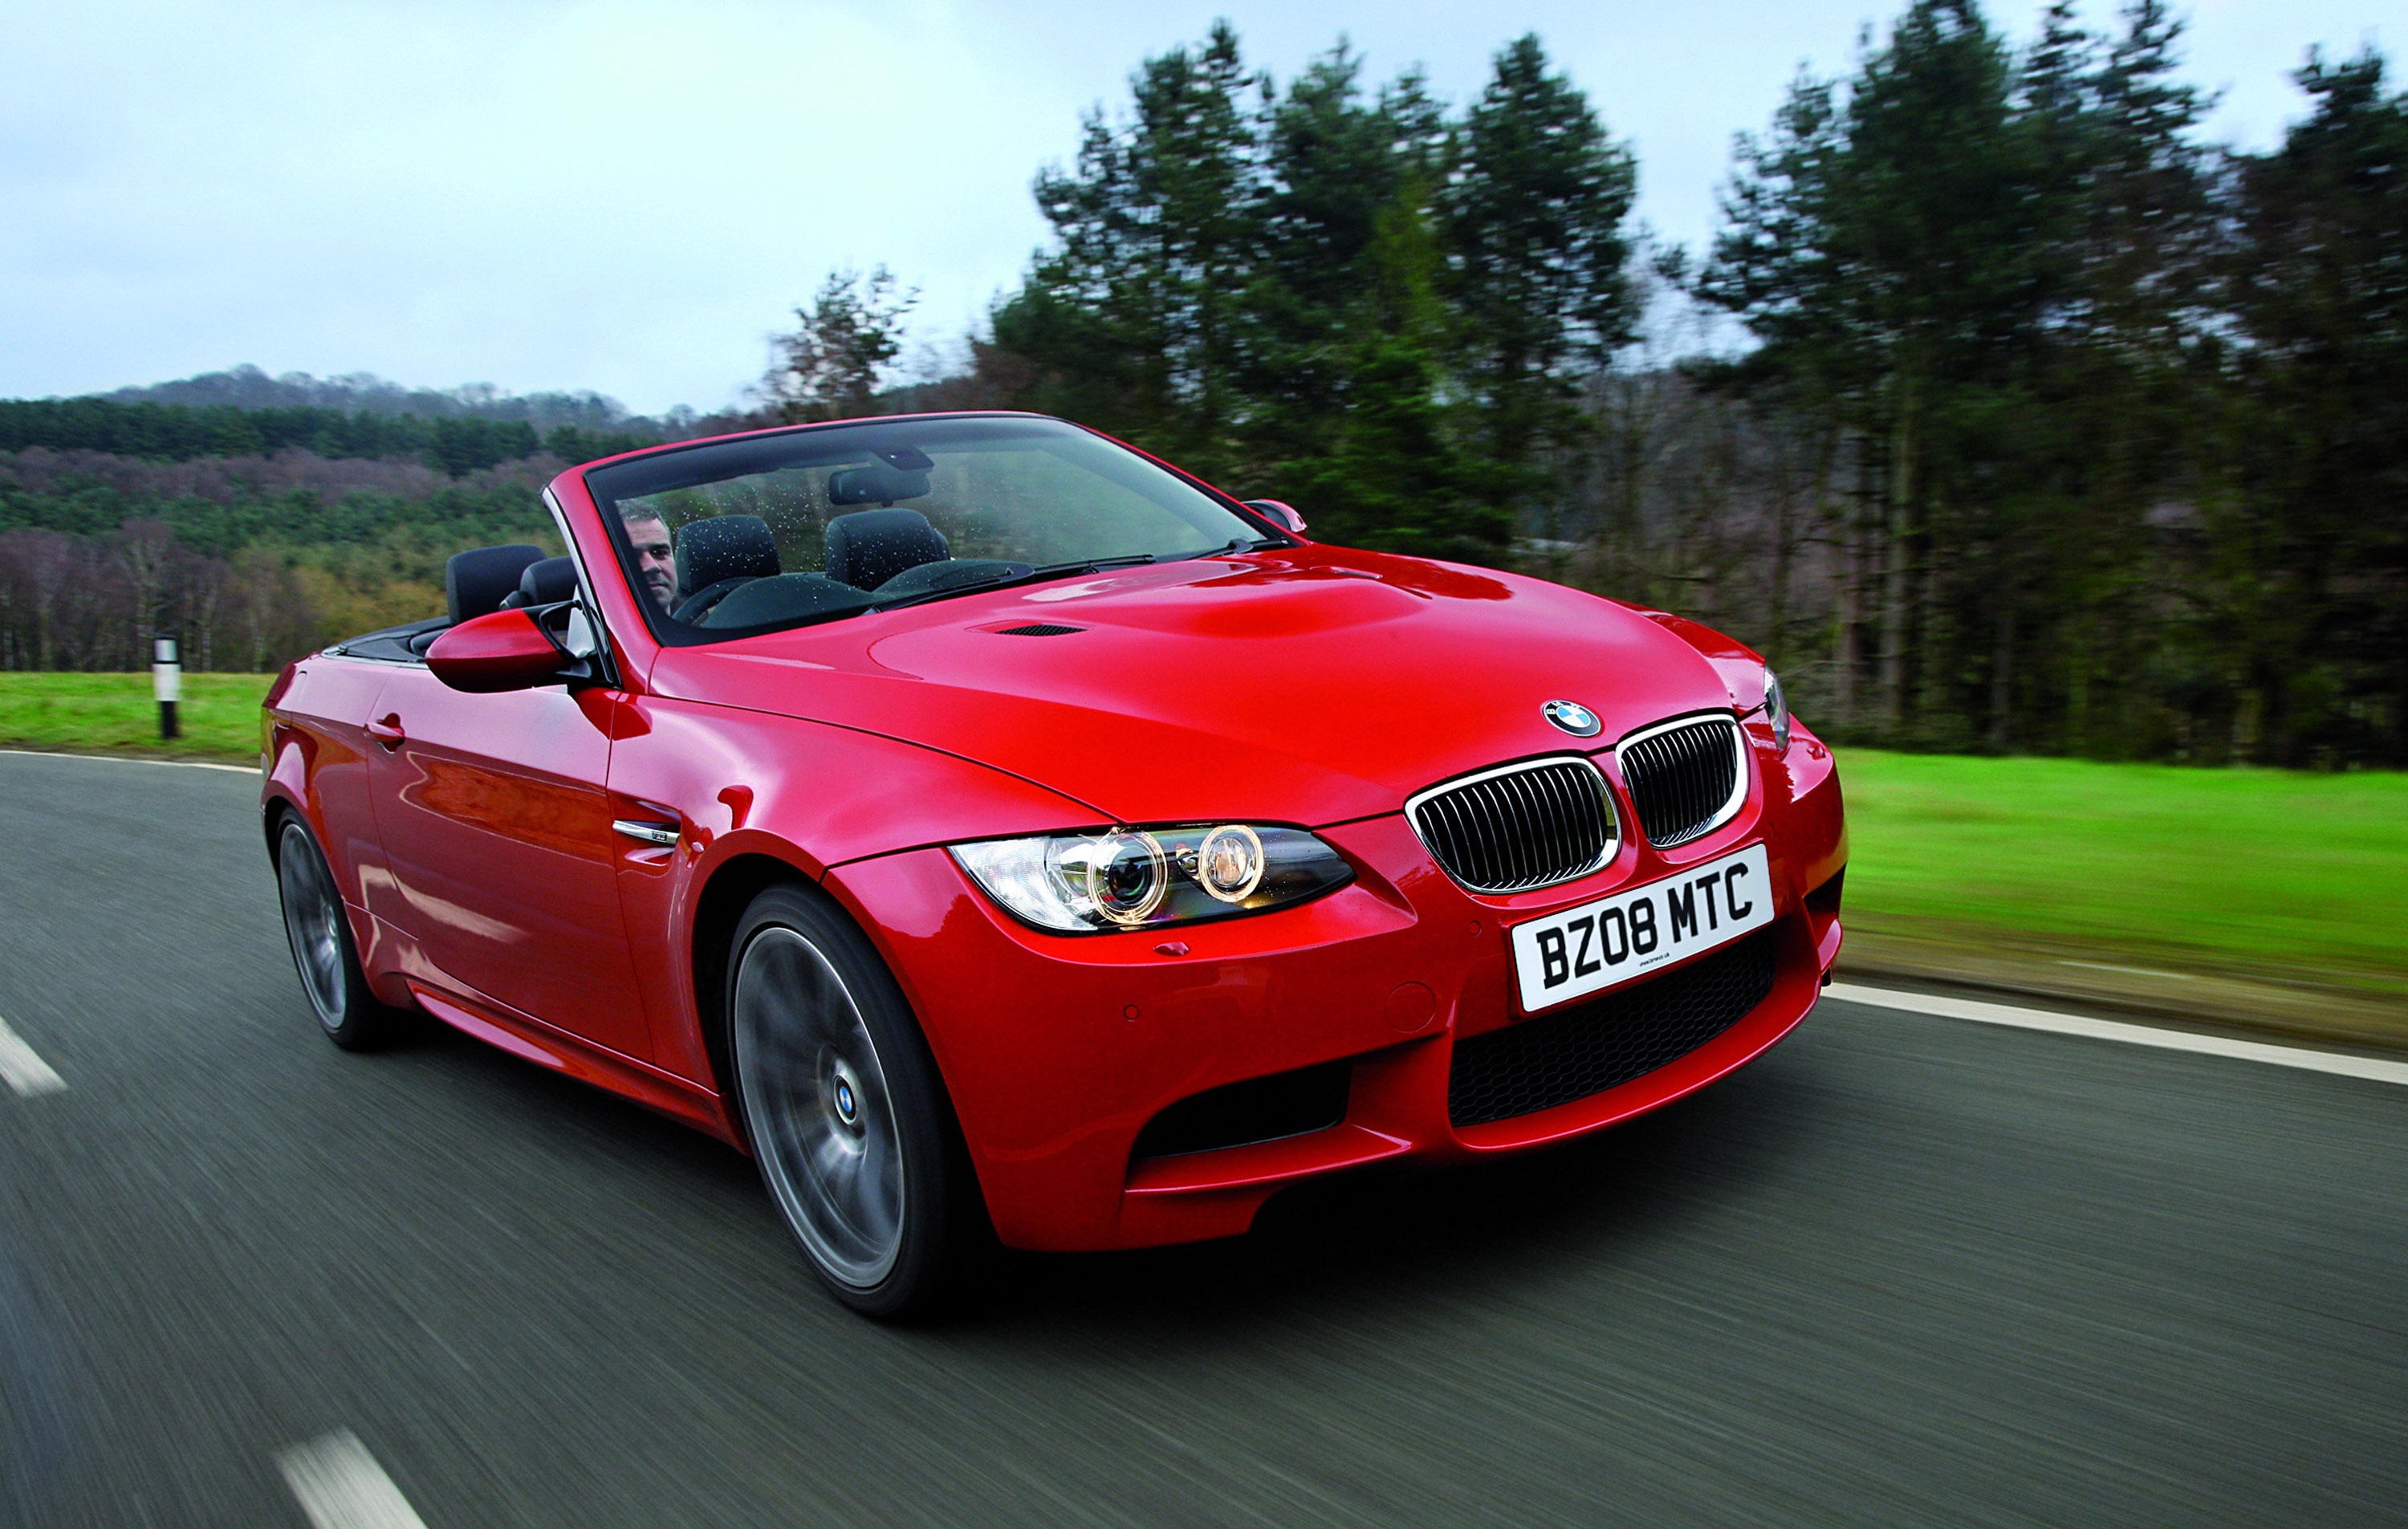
[1143,878]
[1776,710]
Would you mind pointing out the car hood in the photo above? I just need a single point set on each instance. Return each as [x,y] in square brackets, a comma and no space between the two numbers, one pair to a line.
[1308,685]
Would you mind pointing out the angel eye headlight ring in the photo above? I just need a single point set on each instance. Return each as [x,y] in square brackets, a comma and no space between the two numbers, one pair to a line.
[1114,880]
[1127,876]
[1229,863]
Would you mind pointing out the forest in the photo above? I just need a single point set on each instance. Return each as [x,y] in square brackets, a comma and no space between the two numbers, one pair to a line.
[2003,412]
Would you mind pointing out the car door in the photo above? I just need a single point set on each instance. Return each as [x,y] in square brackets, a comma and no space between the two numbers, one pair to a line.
[497,837]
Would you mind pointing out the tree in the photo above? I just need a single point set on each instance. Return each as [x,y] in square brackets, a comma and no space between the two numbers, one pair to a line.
[2309,554]
[1131,321]
[1881,247]
[829,367]
[1533,214]
[1348,300]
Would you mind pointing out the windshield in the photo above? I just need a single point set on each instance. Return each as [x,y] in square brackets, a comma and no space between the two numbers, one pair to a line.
[777,530]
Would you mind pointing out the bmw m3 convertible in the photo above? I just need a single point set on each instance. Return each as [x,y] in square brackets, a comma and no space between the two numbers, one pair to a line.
[1002,835]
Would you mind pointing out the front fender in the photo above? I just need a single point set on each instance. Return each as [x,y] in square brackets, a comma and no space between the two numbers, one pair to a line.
[757,796]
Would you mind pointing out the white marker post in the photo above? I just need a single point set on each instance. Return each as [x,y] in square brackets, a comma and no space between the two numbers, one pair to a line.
[167,682]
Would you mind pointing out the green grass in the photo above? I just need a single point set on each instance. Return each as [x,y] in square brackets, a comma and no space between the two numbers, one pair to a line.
[114,713]
[2255,873]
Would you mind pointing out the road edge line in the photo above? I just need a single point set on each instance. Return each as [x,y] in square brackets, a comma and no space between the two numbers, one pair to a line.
[340,1485]
[2340,1063]
[136,759]
[24,1069]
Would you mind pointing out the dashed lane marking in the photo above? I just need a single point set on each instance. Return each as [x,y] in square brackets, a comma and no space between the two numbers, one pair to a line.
[27,1073]
[340,1485]
[2339,1063]
[130,759]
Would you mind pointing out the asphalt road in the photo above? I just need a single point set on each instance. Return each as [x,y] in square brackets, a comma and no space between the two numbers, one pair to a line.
[1900,1271]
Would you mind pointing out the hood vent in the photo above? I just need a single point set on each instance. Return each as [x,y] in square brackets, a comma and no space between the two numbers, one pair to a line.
[1038,629]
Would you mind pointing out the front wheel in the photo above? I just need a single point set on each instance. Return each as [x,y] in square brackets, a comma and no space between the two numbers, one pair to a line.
[323,953]
[845,1109]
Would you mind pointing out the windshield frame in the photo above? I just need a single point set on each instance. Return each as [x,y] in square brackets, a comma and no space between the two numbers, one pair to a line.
[683,465]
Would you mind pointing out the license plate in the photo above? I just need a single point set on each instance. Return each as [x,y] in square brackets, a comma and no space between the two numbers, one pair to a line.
[1611,941]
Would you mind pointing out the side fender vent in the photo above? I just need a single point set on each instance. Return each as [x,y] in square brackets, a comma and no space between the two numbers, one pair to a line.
[1038,629]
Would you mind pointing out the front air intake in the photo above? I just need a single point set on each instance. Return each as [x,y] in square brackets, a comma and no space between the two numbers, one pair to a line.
[1519,827]
[1287,1104]
[1686,778]
[1610,1040]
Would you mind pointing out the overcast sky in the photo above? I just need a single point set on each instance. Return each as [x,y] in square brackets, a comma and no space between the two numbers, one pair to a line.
[628,197]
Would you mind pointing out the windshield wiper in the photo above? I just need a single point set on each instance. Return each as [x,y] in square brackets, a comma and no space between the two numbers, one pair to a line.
[1235,544]
[1018,574]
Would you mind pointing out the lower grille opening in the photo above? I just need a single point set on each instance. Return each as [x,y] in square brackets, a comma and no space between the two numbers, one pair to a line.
[1825,898]
[1628,1033]
[1286,1104]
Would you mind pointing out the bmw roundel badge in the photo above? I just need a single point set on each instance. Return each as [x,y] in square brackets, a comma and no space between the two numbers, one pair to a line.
[1572,717]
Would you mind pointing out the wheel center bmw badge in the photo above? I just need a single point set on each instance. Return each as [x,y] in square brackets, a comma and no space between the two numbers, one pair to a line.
[1572,717]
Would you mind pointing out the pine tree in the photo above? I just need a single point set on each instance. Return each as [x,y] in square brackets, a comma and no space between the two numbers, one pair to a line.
[1533,211]
[1131,319]
[2311,553]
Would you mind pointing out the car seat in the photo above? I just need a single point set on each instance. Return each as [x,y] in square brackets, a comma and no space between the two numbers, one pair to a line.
[870,547]
[475,583]
[544,583]
[717,556]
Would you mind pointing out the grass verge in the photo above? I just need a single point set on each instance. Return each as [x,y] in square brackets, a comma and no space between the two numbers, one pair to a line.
[2219,878]
[113,713]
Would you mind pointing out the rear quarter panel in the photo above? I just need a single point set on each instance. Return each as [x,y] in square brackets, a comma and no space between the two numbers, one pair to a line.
[316,746]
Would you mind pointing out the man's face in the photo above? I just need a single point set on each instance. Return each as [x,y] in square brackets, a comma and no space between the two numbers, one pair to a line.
[655,563]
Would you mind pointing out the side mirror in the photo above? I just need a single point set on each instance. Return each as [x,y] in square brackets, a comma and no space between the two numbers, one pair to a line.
[505,651]
[1280,515]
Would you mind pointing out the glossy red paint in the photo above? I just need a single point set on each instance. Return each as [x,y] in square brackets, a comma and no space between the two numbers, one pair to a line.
[502,652]
[1308,685]
[1300,705]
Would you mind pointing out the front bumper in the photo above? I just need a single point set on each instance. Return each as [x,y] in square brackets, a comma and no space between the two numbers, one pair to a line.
[1059,1051]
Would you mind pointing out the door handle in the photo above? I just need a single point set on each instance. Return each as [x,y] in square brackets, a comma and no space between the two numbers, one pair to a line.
[387,730]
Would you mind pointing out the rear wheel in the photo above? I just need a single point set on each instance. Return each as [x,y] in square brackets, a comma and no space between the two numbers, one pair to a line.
[845,1109]
[323,952]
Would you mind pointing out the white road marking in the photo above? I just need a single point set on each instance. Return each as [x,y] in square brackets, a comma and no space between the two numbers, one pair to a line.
[27,1073]
[2338,1062]
[342,1487]
[128,759]
[2129,971]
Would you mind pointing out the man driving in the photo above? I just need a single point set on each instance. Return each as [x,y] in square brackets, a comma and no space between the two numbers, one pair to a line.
[655,561]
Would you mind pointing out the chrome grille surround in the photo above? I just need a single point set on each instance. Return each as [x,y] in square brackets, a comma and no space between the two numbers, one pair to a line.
[1519,827]
[1688,777]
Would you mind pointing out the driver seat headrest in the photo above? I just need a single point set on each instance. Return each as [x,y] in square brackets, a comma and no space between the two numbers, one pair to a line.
[870,547]
[725,546]
[475,583]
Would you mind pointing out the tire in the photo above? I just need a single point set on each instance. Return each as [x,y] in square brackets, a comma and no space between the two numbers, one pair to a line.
[320,932]
[845,1112]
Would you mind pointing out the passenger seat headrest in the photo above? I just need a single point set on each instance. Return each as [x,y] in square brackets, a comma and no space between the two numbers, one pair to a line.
[546,583]
[725,546]
[475,583]
[870,547]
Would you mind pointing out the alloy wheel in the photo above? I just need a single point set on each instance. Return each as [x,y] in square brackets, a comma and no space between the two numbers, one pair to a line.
[313,921]
[816,1099]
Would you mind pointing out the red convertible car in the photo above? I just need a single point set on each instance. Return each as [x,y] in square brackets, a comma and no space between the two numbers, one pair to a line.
[1000,833]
